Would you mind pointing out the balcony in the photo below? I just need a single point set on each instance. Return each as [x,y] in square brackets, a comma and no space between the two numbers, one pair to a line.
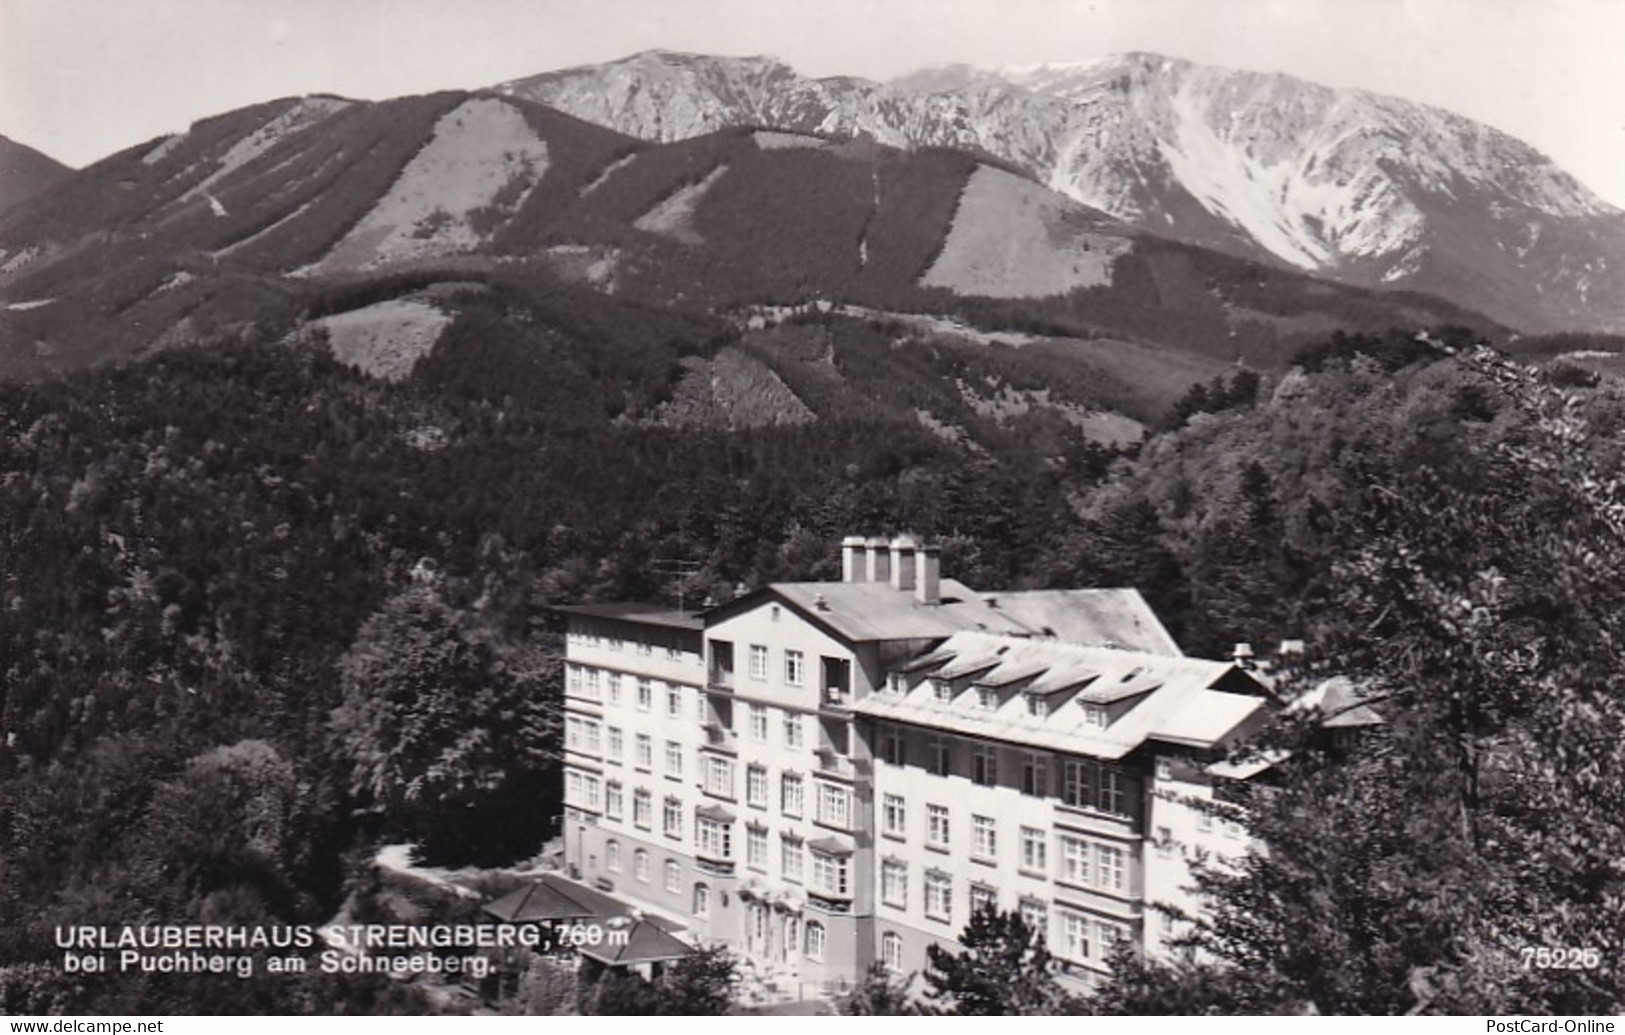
[827,903]
[835,700]
[720,680]
[720,738]
[833,763]
[714,867]
[720,670]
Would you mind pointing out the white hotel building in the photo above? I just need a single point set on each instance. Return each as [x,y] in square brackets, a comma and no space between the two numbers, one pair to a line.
[821,775]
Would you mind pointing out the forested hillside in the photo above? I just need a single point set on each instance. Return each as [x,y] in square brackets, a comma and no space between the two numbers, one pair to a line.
[209,557]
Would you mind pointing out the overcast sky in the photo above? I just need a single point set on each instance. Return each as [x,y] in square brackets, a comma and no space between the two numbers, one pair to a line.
[80,79]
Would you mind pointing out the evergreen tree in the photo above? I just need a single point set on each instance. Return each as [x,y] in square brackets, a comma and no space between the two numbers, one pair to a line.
[1004,970]
[879,994]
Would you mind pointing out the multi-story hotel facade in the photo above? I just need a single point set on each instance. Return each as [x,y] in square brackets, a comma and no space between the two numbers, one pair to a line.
[825,774]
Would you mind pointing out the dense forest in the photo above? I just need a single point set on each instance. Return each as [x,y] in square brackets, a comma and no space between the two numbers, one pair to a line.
[237,579]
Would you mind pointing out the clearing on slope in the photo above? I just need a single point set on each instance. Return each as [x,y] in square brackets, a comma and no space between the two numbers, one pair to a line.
[478,167]
[385,339]
[731,391]
[674,216]
[1011,238]
[301,114]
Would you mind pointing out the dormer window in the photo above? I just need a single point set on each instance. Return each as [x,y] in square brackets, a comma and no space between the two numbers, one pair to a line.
[1095,715]
[897,683]
[942,690]
[987,699]
[1037,705]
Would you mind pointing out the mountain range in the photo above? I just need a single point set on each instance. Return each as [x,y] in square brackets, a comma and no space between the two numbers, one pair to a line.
[1345,184]
[24,172]
[1076,219]
[255,218]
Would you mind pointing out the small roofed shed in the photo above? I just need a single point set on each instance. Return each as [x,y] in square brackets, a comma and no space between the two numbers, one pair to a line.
[539,903]
[629,938]
[1341,703]
[645,943]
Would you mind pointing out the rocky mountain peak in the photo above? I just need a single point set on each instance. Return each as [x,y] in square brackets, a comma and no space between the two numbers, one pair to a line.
[1368,189]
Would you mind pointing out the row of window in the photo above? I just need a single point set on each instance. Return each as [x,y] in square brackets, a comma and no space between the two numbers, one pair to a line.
[795,665]
[582,732]
[1083,861]
[939,896]
[615,687]
[1081,937]
[643,648]
[831,872]
[1083,784]
[792,734]
[671,870]
[832,802]
[713,838]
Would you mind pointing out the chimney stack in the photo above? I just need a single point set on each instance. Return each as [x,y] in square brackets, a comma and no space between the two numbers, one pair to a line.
[902,563]
[852,559]
[928,587]
[879,568]
[1243,655]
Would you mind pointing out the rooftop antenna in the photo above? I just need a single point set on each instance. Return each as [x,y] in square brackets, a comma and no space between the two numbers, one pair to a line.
[677,573]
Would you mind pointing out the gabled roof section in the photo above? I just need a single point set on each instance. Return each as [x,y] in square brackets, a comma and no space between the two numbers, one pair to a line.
[553,897]
[645,942]
[1341,703]
[969,665]
[539,902]
[1175,700]
[869,611]
[1092,617]
[1011,673]
[641,613]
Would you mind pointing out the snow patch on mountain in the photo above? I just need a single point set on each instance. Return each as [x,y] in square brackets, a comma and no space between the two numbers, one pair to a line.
[483,158]
[768,140]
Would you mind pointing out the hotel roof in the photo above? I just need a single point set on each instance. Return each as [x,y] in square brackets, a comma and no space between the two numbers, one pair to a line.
[1186,701]
[869,611]
[646,614]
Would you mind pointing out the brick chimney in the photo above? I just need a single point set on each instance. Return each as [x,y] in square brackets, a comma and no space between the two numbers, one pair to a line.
[879,569]
[928,586]
[902,562]
[853,562]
